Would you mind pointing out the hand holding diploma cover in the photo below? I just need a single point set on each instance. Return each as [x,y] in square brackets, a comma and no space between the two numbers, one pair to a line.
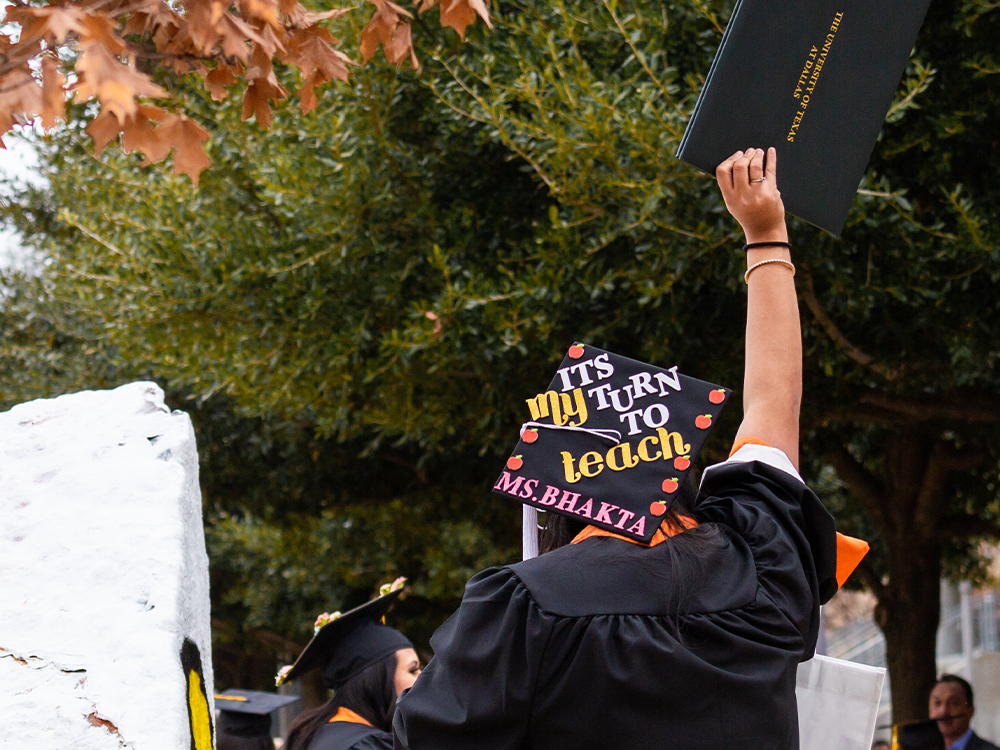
[813,78]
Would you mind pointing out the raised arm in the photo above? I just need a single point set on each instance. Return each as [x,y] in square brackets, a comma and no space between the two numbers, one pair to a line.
[772,382]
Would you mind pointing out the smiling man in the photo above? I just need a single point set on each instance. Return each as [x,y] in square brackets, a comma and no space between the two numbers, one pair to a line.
[951,705]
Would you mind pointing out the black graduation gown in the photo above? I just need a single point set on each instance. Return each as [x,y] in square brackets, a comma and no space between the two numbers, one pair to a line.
[608,644]
[348,735]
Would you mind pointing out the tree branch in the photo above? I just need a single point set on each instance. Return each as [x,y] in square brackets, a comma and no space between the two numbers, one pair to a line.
[880,407]
[808,294]
[420,473]
[944,460]
[966,527]
[872,415]
[871,579]
[965,405]
[862,483]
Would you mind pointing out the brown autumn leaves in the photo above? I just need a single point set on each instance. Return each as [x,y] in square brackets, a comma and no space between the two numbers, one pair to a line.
[103,50]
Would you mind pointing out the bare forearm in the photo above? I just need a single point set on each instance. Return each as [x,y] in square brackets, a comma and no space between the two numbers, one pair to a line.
[772,385]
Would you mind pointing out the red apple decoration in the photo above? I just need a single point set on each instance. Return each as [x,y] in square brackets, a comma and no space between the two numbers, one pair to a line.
[575,351]
[681,463]
[717,396]
[530,436]
[514,463]
[669,485]
[703,421]
[658,507]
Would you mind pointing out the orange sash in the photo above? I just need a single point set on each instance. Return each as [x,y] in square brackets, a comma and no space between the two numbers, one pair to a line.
[346,714]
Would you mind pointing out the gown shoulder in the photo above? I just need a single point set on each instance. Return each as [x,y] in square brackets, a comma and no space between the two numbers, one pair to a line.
[343,735]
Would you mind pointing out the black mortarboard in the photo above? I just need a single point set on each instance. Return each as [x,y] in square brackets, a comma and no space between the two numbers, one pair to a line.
[247,713]
[920,735]
[345,644]
[610,441]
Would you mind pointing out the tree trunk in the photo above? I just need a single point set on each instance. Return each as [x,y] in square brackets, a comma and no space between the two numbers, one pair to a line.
[905,501]
[908,612]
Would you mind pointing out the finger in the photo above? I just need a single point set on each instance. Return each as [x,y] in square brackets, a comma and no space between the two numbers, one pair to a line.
[757,164]
[724,172]
[771,169]
[740,169]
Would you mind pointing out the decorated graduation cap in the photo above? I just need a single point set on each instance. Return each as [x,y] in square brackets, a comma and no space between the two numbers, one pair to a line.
[920,735]
[344,645]
[610,441]
[247,713]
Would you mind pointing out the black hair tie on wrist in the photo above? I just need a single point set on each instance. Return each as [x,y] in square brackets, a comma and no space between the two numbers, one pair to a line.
[752,245]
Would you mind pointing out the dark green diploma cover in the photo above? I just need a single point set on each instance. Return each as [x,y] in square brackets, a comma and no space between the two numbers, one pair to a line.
[814,79]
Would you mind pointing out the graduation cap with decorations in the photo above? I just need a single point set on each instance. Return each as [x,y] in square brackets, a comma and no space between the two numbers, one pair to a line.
[343,645]
[610,441]
[247,713]
[920,735]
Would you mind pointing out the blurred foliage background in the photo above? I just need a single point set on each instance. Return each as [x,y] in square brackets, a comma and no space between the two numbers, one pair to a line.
[354,305]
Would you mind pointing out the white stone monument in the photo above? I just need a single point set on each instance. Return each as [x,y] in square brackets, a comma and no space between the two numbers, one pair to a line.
[104,613]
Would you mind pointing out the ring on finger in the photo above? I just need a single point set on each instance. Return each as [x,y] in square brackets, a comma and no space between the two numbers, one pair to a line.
[759,179]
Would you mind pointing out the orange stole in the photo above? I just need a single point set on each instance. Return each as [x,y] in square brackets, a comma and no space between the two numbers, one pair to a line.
[346,714]
[666,530]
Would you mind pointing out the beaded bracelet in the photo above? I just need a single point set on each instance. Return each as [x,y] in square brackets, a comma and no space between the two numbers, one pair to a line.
[752,245]
[782,261]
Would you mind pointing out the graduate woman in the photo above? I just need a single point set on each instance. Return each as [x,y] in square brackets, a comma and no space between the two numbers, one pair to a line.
[690,637]
[244,721]
[367,664]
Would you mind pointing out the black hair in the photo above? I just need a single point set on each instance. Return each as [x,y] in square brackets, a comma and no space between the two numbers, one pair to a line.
[958,681]
[371,694]
[559,530]
[225,741]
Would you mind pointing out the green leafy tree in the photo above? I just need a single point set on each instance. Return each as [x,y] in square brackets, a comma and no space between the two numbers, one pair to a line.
[398,271]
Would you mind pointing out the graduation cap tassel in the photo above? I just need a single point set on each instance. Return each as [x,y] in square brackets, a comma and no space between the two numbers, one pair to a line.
[529,532]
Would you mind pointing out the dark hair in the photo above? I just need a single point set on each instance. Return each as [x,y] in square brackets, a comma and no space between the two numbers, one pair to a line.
[371,694]
[958,681]
[559,530]
[225,741]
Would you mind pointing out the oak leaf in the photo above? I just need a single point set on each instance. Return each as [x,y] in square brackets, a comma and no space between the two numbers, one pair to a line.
[307,93]
[459,14]
[185,137]
[309,50]
[53,94]
[255,101]
[299,18]
[217,79]
[20,98]
[98,29]
[202,16]
[273,44]
[381,28]
[260,10]
[139,135]
[51,23]
[154,16]
[114,84]
[400,46]
[103,129]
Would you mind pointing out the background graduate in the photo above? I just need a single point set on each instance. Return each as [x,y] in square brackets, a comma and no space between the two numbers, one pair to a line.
[367,664]
[244,721]
[690,640]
